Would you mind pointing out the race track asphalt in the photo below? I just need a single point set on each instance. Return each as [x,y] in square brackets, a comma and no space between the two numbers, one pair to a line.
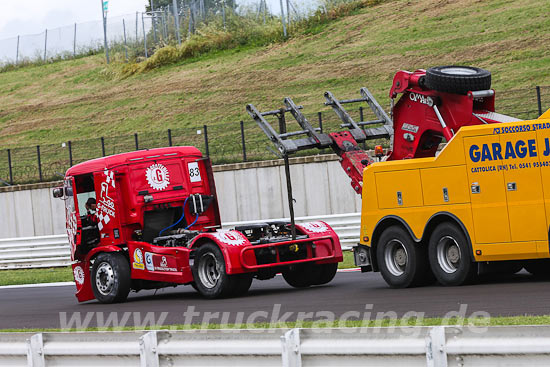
[45,307]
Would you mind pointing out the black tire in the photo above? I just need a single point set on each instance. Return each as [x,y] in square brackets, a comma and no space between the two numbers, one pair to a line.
[401,261]
[457,79]
[324,273]
[299,276]
[538,268]
[242,284]
[111,279]
[449,256]
[209,273]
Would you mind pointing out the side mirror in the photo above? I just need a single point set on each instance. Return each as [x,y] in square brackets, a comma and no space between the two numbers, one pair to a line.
[58,192]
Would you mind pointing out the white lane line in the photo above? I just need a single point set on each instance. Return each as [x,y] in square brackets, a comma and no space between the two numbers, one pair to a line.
[351,270]
[39,285]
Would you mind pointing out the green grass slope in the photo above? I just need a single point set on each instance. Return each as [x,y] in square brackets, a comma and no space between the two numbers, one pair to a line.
[81,99]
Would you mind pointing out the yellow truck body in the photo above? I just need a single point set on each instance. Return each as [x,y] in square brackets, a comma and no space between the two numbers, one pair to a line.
[492,181]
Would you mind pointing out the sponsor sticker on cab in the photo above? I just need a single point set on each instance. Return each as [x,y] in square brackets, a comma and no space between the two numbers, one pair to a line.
[155,262]
[138,260]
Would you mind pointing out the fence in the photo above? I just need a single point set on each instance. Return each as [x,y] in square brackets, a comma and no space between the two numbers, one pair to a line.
[138,35]
[54,251]
[438,346]
[223,142]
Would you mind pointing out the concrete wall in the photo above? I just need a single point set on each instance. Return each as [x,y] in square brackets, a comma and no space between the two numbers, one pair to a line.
[246,191]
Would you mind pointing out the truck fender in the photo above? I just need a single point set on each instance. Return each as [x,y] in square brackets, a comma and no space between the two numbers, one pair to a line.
[82,280]
[434,220]
[230,243]
[321,229]
[100,249]
[447,217]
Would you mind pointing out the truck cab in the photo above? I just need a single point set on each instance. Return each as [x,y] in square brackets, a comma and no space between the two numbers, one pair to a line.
[156,223]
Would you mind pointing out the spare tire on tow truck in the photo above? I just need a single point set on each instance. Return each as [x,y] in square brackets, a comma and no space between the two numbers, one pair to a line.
[457,79]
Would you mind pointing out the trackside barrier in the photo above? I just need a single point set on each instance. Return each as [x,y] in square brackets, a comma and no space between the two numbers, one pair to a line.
[34,252]
[439,346]
[53,251]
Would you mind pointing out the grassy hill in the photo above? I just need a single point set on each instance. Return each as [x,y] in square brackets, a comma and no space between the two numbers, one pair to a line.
[84,98]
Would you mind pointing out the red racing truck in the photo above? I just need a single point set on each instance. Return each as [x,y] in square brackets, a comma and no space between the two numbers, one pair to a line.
[150,219]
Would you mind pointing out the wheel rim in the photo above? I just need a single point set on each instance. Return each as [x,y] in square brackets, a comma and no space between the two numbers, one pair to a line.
[396,257]
[457,70]
[105,278]
[209,273]
[448,254]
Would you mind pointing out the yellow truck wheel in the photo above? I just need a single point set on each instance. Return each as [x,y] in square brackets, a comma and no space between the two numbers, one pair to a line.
[402,262]
[449,256]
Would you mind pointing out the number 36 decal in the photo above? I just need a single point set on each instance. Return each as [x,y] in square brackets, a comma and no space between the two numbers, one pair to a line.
[194,172]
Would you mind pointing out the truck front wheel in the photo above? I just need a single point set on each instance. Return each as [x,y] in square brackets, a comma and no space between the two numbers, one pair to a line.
[402,262]
[449,256]
[111,278]
[209,273]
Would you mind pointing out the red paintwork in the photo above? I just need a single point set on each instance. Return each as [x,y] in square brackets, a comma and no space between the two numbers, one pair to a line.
[351,160]
[414,108]
[414,111]
[83,288]
[121,183]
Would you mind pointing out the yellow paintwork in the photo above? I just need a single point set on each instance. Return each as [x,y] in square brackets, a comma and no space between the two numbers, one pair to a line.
[503,221]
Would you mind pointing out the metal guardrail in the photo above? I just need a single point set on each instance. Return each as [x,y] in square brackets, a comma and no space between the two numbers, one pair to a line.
[439,346]
[34,252]
[53,251]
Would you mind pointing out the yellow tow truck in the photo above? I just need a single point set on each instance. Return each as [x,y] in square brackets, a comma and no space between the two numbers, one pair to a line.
[484,198]
[481,202]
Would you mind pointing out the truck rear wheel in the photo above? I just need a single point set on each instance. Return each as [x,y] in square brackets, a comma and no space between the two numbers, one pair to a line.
[111,278]
[242,284]
[298,276]
[402,262]
[209,273]
[449,256]
[324,273]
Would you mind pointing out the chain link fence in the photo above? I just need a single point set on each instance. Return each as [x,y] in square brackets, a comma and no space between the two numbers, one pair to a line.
[138,35]
[232,142]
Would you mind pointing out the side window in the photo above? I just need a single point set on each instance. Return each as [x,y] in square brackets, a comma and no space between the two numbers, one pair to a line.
[85,194]
[69,196]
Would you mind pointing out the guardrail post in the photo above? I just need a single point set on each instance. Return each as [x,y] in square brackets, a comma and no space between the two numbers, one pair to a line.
[436,354]
[35,351]
[243,141]
[39,162]
[136,141]
[170,137]
[103,146]
[292,357]
[148,351]
[10,167]
[539,101]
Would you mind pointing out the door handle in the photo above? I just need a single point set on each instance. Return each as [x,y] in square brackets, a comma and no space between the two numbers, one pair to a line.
[511,186]
[475,188]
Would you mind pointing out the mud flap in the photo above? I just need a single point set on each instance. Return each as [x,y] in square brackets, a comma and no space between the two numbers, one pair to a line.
[82,279]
